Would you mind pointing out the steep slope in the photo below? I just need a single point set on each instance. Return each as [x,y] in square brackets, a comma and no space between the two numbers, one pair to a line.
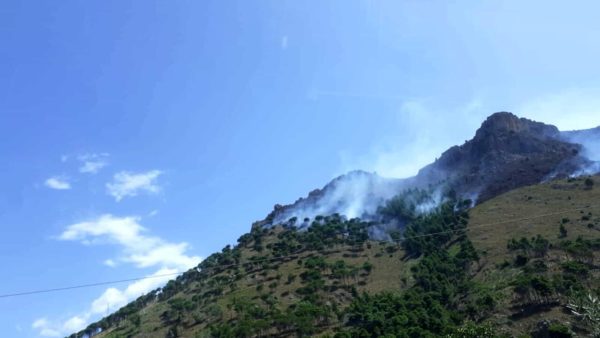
[507,152]
[355,194]
[590,141]
[283,282]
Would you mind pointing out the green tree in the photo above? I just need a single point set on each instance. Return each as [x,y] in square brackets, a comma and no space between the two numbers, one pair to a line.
[562,231]
[589,183]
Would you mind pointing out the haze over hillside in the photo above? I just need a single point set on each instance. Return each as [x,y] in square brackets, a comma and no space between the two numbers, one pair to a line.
[404,241]
[506,152]
[139,138]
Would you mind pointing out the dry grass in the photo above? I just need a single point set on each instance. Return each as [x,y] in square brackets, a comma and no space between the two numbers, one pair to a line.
[533,210]
[512,215]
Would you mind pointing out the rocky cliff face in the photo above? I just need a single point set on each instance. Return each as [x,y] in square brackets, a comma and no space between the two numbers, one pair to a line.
[506,152]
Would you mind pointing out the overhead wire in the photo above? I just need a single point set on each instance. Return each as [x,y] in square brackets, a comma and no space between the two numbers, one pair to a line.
[223,266]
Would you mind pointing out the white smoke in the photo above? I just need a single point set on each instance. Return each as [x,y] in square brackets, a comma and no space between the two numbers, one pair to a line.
[361,194]
[356,194]
[590,142]
[435,199]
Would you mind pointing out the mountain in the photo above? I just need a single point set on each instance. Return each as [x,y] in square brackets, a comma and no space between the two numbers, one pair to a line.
[520,262]
[355,194]
[518,265]
[506,152]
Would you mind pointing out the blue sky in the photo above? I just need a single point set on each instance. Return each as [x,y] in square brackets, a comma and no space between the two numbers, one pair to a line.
[139,137]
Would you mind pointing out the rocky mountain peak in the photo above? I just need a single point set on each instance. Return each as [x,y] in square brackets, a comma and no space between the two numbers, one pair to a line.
[503,123]
[506,152]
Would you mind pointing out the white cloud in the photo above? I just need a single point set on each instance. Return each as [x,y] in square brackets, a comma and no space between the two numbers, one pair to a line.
[109,301]
[130,184]
[44,328]
[137,248]
[74,324]
[92,163]
[58,183]
[110,263]
[113,298]
[165,254]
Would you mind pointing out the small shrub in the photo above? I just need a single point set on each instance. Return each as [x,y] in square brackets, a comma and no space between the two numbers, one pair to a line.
[559,331]
[520,260]
[562,231]
[576,268]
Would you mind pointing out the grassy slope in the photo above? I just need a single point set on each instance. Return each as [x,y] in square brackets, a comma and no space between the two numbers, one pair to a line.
[561,201]
[391,272]
[387,273]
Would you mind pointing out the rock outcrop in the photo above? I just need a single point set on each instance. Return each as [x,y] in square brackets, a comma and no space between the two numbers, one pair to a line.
[506,152]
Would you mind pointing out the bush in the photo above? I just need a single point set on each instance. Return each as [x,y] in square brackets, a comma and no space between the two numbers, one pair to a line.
[562,231]
[576,268]
[520,260]
[589,183]
[557,330]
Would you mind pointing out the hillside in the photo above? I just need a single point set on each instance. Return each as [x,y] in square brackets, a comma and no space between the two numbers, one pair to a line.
[506,152]
[507,267]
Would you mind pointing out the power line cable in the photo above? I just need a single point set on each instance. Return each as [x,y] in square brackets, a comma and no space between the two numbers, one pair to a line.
[87,285]
[468,228]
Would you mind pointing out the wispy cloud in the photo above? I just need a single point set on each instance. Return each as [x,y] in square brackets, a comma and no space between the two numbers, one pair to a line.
[110,262]
[92,163]
[126,184]
[136,247]
[43,326]
[58,183]
[109,301]
[113,298]
[284,42]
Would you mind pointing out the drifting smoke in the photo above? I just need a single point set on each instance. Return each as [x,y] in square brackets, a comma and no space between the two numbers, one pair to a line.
[589,139]
[360,194]
[366,196]
[356,194]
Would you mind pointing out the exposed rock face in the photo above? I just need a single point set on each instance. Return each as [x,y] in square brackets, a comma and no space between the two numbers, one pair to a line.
[506,152]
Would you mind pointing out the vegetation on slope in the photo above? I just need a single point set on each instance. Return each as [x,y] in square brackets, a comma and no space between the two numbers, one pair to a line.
[437,280]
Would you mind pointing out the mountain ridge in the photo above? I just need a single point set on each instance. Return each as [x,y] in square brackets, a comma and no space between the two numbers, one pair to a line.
[518,262]
[517,259]
[505,153]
